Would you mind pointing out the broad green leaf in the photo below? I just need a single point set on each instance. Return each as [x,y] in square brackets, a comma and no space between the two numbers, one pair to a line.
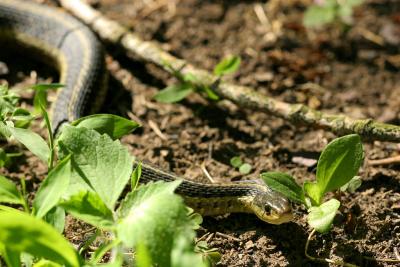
[56,218]
[99,164]
[183,254]
[151,212]
[174,93]
[21,232]
[46,263]
[135,177]
[227,65]
[245,168]
[236,161]
[113,125]
[320,218]
[11,257]
[142,258]
[32,141]
[285,184]
[352,185]
[4,131]
[316,16]
[88,207]
[9,192]
[52,188]
[338,163]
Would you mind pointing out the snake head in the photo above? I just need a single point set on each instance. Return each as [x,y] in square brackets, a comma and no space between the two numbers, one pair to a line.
[272,207]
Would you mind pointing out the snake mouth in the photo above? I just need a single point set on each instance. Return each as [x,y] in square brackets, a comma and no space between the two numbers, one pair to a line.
[278,218]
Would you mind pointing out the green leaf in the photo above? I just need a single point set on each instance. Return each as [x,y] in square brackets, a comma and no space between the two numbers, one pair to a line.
[137,172]
[143,258]
[88,207]
[174,93]
[245,168]
[52,188]
[285,184]
[155,217]
[320,218]
[11,257]
[9,192]
[210,93]
[47,86]
[32,141]
[338,163]
[352,185]
[46,263]
[236,161]
[56,218]
[40,98]
[316,16]
[183,255]
[20,232]
[99,164]
[227,65]
[113,125]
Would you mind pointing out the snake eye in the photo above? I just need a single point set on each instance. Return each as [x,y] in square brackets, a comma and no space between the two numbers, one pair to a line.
[267,209]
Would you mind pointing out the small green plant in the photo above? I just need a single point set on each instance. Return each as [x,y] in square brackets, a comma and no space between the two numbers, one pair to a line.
[244,168]
[150,225]
[189,83]
[337,168]
[329,11]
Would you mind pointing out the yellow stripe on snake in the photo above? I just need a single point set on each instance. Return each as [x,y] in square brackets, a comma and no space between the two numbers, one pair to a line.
[74,50]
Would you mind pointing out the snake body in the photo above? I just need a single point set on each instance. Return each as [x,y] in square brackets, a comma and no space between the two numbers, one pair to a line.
[78,55]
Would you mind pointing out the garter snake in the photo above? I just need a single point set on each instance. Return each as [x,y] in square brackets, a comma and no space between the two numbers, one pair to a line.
[75,51]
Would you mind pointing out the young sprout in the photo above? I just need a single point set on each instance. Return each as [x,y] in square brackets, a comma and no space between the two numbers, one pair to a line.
[189,83]
[337,168]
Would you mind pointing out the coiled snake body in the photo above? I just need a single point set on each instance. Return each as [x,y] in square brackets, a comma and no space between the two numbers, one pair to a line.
[78,55]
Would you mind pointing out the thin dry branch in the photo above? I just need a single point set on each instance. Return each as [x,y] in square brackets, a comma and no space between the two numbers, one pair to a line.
[246,97]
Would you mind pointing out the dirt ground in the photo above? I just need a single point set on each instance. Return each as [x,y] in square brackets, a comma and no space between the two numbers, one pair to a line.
[355,73]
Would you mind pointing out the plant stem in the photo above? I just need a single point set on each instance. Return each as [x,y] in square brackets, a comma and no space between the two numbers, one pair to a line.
[323,260]
[51,137]
[23,195]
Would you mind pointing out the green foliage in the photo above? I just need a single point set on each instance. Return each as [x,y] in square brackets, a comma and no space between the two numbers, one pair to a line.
[34,142]
[40,98]
[9,192]
[337,165]
[227,65]
[20,232]
[96,160]
[320,217]
[329,11]
[52,188]
[113,125]
[283,182]
[174,93]
[190,83]
[88,207]
[336,169]
[244,168]
[87,181]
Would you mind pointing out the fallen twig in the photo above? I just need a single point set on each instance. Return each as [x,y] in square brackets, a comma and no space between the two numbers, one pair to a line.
[246,97]
[385,161]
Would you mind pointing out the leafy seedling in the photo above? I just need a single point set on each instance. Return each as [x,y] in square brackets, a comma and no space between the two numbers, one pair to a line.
[244,168]
[87,181]
[189,83]
[329,11]
[337,168]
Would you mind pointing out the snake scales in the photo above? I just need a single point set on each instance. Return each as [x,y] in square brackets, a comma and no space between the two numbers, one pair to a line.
[75,51]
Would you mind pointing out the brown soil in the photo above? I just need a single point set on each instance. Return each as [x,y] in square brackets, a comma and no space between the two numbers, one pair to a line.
[356,73]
